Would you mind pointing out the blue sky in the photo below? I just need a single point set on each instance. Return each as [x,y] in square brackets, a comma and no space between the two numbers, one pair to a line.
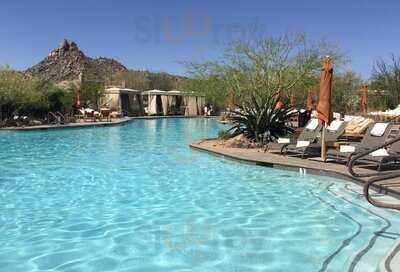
[159,35]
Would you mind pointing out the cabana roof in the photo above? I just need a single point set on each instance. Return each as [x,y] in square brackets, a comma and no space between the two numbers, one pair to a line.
[175,92]
[115,90]
[193,94]
[155,92]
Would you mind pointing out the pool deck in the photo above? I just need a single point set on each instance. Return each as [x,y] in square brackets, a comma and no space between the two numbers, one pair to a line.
[91,123]
[70,125]
[259,157]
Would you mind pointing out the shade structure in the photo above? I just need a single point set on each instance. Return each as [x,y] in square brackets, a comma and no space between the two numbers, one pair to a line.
[310,101]
[200,104]
[324,108]
[124,100]
[364,99]
[152,105]
[191,105]
[165,101]
[157,103]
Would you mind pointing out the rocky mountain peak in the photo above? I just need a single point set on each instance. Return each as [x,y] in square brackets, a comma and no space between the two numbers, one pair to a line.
[69,63]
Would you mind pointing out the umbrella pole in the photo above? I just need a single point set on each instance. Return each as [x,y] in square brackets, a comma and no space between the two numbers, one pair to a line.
[323,145]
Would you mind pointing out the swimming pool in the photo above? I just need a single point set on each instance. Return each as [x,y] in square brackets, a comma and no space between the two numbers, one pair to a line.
[136,198]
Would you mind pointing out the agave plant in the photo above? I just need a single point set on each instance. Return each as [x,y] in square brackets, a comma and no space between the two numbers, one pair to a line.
[259,120]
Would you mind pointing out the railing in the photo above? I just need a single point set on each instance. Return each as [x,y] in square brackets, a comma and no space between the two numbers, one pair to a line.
[374,177]
[63,117]
[58,117]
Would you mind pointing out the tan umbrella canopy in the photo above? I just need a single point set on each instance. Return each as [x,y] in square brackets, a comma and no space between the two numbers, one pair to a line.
[310,101]
[364,98]
[324,108]
[232,101]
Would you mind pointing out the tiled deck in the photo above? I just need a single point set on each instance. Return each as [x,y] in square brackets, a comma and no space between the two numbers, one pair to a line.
[258,156]
[91,123]
[70,125]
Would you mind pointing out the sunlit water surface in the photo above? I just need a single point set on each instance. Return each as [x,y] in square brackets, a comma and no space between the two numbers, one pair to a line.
[136,198]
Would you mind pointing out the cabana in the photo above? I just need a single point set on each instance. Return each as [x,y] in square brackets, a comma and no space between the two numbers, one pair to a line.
[123,100]
[176,103]
[156,102]
[194,104]
[173,102]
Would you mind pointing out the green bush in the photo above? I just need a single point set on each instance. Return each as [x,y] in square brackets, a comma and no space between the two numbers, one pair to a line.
[259,120]
[35,98]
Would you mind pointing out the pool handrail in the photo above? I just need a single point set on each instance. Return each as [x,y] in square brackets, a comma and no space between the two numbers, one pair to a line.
[374,177]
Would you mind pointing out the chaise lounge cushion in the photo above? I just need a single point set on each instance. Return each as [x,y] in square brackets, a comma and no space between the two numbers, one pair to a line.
[284,141]
[302,144]
[335,125]
[312,125]
[347,148]
[379,153]
[379,129]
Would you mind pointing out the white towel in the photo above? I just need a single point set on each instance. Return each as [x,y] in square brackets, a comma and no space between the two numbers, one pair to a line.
[347,149]
[335,125]
[336,115]
[379,153]
[313,124]
[303,143]
[379,129]
[283,141]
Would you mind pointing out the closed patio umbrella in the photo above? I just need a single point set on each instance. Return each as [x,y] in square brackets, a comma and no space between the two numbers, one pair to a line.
[364,99]
[324,108]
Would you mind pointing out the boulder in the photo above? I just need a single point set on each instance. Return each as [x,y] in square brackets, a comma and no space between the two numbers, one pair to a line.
[239,141]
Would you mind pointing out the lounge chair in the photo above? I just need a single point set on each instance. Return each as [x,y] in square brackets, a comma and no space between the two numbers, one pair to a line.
[358,125]
[376,135]
[105,113]
[308,135]
[313,148]
[388,155]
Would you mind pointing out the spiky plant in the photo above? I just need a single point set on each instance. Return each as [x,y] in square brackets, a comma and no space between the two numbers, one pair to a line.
[259,120]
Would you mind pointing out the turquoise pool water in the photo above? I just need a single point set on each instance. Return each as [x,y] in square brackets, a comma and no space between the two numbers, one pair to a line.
[135,198]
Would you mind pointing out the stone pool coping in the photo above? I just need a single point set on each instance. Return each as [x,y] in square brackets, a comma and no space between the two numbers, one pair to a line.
[93,124]
[257,156]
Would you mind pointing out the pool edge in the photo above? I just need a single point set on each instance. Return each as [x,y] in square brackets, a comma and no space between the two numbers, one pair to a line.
[290,167]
